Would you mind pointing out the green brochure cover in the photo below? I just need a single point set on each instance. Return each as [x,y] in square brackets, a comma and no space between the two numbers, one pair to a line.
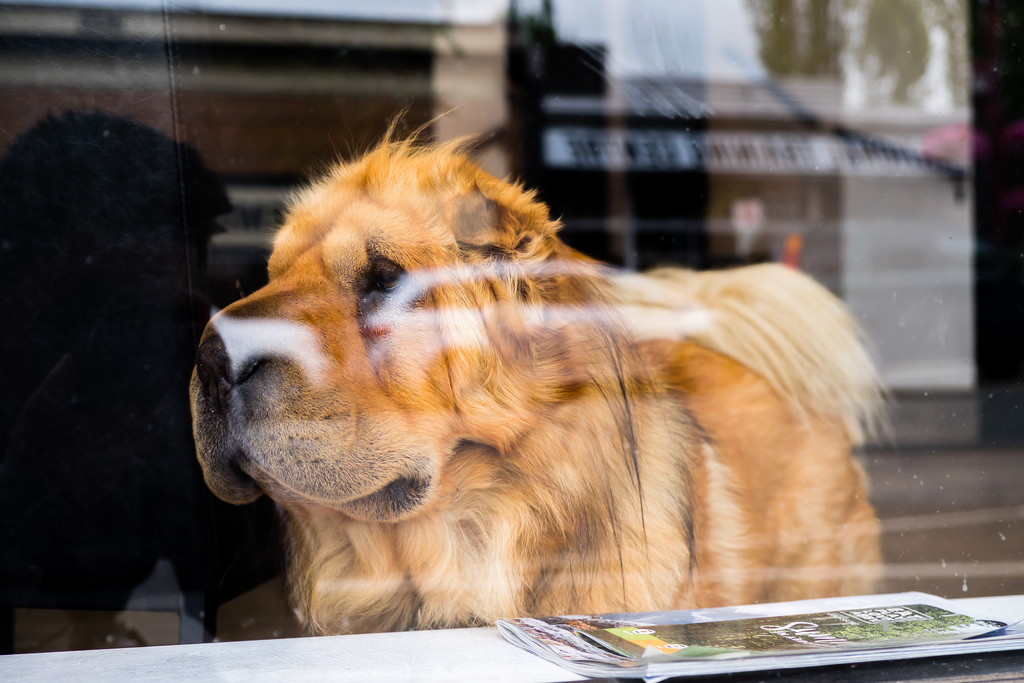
[838,629]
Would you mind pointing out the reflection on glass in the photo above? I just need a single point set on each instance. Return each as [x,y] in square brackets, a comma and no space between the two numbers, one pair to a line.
[872,144]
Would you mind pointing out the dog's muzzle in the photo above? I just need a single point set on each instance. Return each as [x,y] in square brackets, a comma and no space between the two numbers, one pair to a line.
[213,369]
[214,386]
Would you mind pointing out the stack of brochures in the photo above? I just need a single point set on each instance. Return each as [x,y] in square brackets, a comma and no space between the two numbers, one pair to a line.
[784,635]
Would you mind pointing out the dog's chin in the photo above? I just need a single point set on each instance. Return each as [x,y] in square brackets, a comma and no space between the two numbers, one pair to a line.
[398,499]
[226,477]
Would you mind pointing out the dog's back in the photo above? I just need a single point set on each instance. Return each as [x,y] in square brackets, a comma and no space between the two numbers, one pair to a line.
[776,321]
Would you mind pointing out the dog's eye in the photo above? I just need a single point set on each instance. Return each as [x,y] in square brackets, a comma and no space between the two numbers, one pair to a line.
[384,276]
[384,284]
[381,279]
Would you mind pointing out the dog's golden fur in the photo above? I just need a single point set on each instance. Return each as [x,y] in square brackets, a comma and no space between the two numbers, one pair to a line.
[464,419]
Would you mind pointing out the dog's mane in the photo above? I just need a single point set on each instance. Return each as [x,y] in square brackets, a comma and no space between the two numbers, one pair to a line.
[577,373]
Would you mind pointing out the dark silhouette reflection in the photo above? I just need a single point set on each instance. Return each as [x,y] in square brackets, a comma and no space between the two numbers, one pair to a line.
[103,226]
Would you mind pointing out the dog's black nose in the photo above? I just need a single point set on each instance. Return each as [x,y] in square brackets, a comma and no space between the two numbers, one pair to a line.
[213,368]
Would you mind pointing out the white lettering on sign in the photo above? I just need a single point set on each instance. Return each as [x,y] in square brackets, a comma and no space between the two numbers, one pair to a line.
[619,149]
[626,149]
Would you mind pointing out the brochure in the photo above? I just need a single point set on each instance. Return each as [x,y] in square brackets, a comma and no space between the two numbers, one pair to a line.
[806,633]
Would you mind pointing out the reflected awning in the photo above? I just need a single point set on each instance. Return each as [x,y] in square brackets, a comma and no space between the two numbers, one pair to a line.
[785,153]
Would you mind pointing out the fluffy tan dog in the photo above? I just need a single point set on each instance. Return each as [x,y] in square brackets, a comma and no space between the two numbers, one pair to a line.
[462,419]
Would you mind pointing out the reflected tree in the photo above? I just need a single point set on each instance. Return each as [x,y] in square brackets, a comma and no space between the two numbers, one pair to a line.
[890,42]
[799,37]
[533,27]
[893,47]
[953,17]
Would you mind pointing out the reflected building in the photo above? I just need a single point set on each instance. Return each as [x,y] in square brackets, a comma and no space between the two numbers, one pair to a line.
[795,160]
[811,155]
[268,99]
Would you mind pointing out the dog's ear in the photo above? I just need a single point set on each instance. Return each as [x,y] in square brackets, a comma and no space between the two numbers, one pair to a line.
[473,218]
[502,219]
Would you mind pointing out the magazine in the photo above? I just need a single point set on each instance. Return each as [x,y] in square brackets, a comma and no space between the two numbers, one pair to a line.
[806,633]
